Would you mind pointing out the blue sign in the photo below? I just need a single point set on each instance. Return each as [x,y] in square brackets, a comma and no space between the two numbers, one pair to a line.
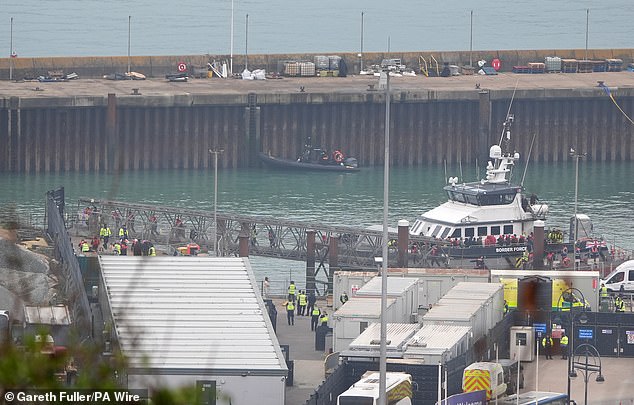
[585,333]
[540,327]
[468,398]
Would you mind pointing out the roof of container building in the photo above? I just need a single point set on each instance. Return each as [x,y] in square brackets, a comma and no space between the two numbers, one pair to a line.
[434,337]
[452,311]
[362,307]
[190,313]
[397,335]
[490,288]
[396,286]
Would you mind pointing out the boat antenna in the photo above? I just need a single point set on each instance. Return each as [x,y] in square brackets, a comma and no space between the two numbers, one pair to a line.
[530,150]
[461,176]
[508,112]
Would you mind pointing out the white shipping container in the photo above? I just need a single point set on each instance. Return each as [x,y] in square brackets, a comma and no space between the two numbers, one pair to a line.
[348,282]
[404,290]
[438,343]
[349,321]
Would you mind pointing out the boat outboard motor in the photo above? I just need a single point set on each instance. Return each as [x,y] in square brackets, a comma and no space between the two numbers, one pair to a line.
[350,162]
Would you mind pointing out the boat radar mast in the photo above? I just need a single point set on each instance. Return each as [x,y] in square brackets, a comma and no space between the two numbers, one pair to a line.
[502,162]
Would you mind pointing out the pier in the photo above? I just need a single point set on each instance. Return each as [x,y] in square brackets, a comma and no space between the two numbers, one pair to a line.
[99,125]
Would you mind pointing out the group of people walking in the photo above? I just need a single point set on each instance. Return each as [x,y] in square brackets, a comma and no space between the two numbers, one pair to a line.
[119,246]
[301,304]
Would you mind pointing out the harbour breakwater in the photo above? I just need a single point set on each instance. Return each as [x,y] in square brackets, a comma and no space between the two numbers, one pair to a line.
[158,66]
[165,127]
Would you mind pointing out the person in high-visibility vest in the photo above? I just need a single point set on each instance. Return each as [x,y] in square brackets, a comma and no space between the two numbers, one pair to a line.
[117,248]
[563,344]
[291,291]
[323,319]
[123,233]
[314,318]
[152,251]
[85,247]
[619,304]
[301,300]
[290,312]
[547,344]
[604,291]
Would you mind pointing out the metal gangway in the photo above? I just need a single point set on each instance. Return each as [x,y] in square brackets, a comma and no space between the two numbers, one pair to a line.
[170,227]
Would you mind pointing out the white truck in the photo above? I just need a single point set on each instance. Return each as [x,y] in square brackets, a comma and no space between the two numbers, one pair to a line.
[366,390]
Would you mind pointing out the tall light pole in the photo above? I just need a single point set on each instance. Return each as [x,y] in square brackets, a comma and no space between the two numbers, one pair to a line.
[215,232]
[129,31]
[361,52]
[587,26]
[231,43]
[246,43]
[11,53]
[386,188]
[471,41]
[577,156]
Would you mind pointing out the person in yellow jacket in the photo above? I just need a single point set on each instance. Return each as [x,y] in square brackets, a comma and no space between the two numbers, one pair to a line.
[547,344]
[619,304]
[290,312]
[291,291]
[563,344]
[117,248]
[314,318]
[301,301]
[152,251]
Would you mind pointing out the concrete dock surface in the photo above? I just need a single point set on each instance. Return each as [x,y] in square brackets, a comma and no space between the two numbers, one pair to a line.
[332,85]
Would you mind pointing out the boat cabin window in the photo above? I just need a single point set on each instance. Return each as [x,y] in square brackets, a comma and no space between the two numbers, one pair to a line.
[496,199]
[445,233]
[436,230]
[468,232]
[482,231]
[457,233]
[472,199]
[508,229]
[458,197]
[495,230]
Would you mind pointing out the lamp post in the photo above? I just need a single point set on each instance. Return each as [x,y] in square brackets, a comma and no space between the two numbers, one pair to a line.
[231,43]
[583,319]
[246,44]
[361,52]
[587,27]
[591,364]
[129,25]
[471,41]
[215,233]
[384,241]
[573,153]
[11,52]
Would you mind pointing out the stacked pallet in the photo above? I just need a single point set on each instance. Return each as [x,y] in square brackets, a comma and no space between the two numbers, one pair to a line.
[553,64]
[614,65]
[569,65]
[537,67]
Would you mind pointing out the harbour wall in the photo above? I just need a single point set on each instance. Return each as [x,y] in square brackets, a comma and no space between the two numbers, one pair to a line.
[158,66]
[116,132]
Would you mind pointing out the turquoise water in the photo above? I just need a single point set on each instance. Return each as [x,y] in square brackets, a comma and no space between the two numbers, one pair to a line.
[605,193]
[96,28]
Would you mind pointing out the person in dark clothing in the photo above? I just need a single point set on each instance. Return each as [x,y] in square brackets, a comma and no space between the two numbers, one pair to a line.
[311,303]
[315,313]
[547,344]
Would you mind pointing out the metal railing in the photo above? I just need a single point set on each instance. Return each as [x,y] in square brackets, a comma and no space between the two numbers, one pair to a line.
[73,285]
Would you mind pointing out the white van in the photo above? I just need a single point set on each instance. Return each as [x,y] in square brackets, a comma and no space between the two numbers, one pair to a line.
[366,390]
[622,278]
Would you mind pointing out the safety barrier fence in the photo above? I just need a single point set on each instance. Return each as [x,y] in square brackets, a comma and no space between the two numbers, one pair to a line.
[73,286]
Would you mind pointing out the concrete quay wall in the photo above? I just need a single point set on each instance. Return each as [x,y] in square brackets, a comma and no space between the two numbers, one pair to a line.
[158,66]
[103,126]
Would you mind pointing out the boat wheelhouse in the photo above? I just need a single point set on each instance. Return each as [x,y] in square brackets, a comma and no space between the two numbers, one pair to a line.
[492,206]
